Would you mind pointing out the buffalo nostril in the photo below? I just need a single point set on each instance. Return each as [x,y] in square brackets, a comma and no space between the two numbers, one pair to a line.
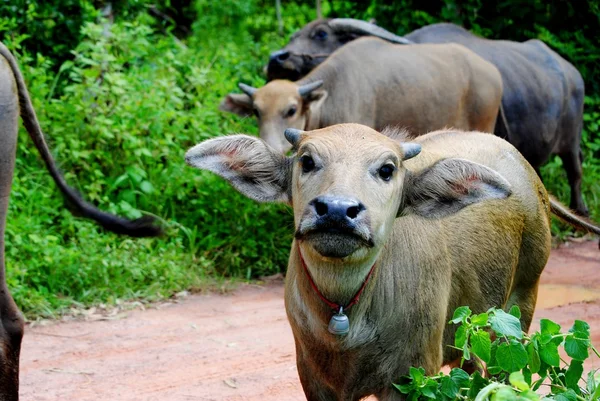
[283,56]
[321,208]
[280,55]
[352,212]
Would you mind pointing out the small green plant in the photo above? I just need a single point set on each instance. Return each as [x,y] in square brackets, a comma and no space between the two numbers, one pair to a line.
[518,364]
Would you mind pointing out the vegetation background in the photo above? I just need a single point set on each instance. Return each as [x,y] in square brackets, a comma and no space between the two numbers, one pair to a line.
[122,89]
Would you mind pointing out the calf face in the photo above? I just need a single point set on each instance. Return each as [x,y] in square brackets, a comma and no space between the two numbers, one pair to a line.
[346,183]
[278,105]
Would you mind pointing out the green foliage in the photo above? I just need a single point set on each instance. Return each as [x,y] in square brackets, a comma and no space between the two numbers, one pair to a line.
[131,103]
[518,364]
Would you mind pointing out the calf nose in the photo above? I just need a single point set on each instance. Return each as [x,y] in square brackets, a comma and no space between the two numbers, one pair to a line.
[279,56]
[337,209]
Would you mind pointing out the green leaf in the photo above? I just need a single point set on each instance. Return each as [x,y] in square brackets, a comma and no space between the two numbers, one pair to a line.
[481,345]
[566,396]
[577,348]
[505,324]
[418,375]
[549,354]
[461,314]
[573,375]
[529,395]
[592,384]
[515,311]
[466,352]
[430,389]
[448,387]
[511,356]
[504,394]
[547,326]
[527,375]
[477,383]
[518,381]
[405,385]
[460,337]
[533,357]
[494,370]
[581,329]
[480,319]
[460,377]
[146,187]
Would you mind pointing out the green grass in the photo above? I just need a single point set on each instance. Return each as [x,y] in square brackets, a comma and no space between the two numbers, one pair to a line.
[119,119]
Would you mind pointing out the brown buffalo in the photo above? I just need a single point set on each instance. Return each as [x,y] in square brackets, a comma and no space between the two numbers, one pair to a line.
[447,219]
[14,100]
[543,93]
[373,82]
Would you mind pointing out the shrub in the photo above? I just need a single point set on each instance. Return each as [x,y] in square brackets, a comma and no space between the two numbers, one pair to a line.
[519,364]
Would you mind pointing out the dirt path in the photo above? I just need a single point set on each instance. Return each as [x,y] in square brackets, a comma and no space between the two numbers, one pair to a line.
[231,347]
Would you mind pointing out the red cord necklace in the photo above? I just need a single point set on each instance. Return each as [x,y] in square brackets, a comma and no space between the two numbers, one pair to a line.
[339,323]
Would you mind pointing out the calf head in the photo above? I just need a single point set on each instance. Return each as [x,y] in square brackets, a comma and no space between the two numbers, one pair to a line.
[311,45]
[347,184]
[278,105]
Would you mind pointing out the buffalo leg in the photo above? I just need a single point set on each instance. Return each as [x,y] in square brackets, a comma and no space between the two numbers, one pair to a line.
[11,327]
[313,389]
[11,333]
[572,161]
[11,321]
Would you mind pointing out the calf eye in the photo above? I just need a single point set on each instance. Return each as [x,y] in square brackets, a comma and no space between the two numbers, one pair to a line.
[320,35]
[291,112]
[386,171]
[256,113]
[308,164]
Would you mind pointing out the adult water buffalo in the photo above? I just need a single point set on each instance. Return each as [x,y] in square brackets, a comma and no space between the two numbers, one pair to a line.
[543,93]
[415,229]
[419,87]
[14,97]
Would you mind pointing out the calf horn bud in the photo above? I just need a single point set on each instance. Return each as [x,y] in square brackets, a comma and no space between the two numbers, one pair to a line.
[293,135]
[365,28]
[305,90]
[410,150]
[247,89]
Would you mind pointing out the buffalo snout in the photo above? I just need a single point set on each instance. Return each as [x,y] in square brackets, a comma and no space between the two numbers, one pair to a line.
[335,226]
[279,56]
[337,210]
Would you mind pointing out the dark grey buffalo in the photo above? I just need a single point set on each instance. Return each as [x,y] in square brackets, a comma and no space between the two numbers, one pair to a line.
[14,100]
[543,93]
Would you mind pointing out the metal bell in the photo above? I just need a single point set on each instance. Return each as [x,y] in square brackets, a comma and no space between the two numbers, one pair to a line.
[339,324]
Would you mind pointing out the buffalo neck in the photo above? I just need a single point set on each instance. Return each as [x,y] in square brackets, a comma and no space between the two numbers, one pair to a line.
[336,280]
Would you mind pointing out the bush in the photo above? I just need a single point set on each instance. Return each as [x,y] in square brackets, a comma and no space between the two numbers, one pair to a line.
[518,363]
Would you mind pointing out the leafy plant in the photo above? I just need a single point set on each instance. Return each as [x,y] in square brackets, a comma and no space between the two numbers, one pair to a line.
[518,364]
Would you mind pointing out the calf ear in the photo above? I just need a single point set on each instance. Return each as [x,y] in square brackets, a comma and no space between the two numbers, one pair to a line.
[248,163]
[315,99]
[450,185]
[237,103]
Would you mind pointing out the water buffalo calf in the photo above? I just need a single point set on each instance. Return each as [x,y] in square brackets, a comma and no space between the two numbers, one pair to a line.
[448,219]
[543,93]
[14,100]
[376,83]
